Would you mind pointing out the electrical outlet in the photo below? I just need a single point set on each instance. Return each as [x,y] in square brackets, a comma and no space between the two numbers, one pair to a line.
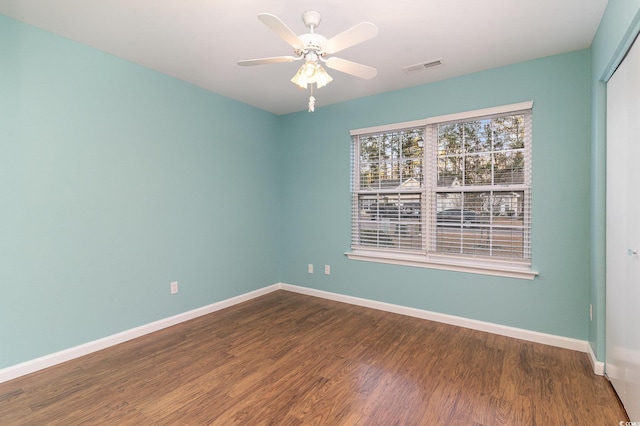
[174,287]
[310,268]
[327,269]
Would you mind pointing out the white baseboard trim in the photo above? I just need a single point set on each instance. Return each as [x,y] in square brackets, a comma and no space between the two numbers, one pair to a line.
[503,330]
[50,360]
[598,366]
[41,363]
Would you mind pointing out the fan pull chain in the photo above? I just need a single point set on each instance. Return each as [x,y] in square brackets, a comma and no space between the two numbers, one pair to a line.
[312,101]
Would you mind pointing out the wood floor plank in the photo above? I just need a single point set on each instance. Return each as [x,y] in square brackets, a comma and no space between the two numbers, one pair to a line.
[291,359]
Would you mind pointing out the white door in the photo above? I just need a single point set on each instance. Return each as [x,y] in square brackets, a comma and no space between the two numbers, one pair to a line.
[623,232]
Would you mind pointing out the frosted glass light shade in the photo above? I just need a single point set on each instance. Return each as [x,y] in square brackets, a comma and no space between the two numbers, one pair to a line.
[309,73]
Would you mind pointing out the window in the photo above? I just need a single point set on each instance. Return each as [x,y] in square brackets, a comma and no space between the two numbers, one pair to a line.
[450,192]
[389,189]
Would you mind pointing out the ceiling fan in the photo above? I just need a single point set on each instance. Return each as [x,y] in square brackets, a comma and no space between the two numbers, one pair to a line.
[314,48]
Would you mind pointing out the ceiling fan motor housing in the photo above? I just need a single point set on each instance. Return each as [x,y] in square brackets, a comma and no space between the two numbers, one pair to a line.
[312,43]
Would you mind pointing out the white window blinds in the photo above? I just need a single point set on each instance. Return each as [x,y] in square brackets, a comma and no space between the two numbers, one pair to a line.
[456,186]
[481,187]
[387,188]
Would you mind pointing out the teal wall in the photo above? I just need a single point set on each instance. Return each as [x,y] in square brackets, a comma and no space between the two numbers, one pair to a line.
[618,28]
[316,201]
[115,181]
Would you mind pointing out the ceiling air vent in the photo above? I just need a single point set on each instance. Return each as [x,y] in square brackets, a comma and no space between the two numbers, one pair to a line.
[410,69]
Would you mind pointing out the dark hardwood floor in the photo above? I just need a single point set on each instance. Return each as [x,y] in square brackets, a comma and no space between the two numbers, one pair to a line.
[290,359]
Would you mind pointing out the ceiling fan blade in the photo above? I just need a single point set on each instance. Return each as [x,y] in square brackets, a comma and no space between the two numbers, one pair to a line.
[272,60]
[354,35]
[280,28]
[353,68]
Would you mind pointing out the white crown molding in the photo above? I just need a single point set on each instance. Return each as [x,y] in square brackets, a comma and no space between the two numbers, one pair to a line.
[43,362]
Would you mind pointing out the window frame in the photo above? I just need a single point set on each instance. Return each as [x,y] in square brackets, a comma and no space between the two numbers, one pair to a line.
[425,257]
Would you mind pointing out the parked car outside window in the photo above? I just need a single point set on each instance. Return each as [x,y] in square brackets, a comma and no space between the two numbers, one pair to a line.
[455,217]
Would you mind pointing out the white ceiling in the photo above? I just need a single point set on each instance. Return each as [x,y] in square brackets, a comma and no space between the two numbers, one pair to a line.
[200,41]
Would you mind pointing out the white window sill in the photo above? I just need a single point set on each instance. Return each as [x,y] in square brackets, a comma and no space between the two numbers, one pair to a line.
[520,270]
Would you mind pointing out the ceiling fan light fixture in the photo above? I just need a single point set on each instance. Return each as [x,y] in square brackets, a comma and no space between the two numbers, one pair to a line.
[300,79]
[309,69]
[322,77]
[309,73]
